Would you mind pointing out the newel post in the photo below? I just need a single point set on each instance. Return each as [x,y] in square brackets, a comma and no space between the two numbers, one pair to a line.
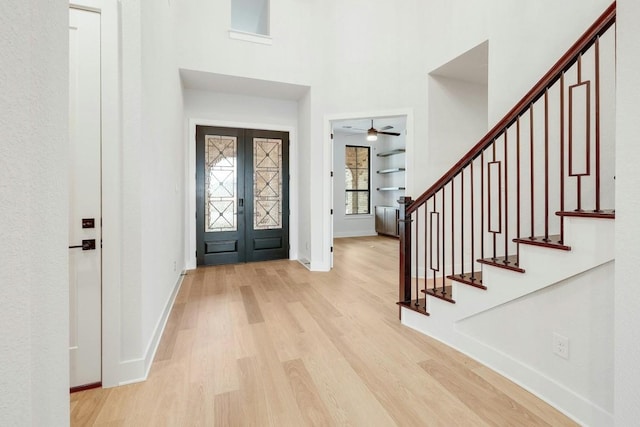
[404,227]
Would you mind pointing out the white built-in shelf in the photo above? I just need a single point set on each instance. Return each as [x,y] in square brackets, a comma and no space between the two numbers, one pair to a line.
[391,152]
[390,188]
[392,170]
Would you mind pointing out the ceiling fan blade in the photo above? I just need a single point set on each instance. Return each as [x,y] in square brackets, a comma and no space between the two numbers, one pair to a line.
[389,133]
[385,128]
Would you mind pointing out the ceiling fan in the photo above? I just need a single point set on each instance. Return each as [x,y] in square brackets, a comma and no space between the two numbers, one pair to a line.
[372,133]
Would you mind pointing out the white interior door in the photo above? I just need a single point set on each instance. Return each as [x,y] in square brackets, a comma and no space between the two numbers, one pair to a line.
[85,259]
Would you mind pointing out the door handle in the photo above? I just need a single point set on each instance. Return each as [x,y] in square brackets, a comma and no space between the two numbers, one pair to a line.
[240,203]
[87,245]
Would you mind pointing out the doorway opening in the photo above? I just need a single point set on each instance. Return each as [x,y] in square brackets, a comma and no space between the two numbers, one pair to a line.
[369,164]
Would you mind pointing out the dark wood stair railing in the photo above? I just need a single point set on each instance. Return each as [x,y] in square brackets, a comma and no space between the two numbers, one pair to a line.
[545,142]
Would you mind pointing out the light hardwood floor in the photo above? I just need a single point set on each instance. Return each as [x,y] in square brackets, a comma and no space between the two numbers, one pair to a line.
[273,344]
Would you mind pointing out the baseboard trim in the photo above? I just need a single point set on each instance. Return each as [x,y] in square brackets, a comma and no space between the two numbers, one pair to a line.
[305,263]
[319,266]
[137,370]
[356,233]
[85,387]
[542,386]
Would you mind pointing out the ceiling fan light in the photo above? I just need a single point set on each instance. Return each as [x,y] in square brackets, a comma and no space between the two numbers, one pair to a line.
[372,135]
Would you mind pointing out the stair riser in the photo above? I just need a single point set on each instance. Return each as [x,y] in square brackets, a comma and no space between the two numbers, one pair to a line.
[592,245]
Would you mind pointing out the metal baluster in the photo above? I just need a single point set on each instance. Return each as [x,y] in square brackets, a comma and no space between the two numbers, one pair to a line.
[426,230]
[532,235]
[546,165]
[482,204]
[473,260]
[518,189]
[597,148]
[453,242]
[579,184]
[462,223]
[417,304]
[437,237]
[562,130]
[506,198]
[495,235]
[444,241]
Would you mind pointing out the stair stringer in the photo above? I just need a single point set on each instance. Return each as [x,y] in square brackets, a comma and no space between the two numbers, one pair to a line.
[592,245]
[591,242]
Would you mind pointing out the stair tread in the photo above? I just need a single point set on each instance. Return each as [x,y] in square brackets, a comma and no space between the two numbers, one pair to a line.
[421,308]
[510,264]
[446,296]
[604,213]
[466,279]
[553,241]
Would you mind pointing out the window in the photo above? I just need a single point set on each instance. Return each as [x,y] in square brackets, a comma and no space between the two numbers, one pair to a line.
[250,16]
[356,170]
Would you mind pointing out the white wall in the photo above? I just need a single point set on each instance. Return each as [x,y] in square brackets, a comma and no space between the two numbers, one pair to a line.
[204,43]
[130,320]
[579,308]
[526,40]
[34,297]
[241,111]
[304,180]
[163,186]
[457,120]
[153,186]
[627,293]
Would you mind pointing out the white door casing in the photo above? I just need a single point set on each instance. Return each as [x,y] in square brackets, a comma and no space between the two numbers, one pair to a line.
[84,197]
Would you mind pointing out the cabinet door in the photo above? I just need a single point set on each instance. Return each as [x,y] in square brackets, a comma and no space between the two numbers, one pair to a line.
[390,221]
[379,214]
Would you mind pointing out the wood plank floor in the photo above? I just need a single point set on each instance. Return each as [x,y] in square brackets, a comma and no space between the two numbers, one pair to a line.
[273,344]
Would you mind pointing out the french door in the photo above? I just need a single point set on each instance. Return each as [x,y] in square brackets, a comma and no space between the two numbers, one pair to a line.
[242,195]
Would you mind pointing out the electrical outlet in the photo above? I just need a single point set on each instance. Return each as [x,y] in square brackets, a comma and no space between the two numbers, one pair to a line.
[561,346]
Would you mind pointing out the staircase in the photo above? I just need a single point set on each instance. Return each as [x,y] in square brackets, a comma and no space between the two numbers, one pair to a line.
[528,207]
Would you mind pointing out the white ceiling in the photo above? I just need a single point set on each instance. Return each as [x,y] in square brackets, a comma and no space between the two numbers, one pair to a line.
[399,124]
[223,83]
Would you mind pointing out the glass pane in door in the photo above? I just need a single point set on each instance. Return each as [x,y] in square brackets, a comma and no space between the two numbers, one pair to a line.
[267,184]
[220,176]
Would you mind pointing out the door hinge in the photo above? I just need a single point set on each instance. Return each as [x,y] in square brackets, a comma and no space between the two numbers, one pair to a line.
[196,254]
[331,249]
[332,136]
[331,211]
[331,173]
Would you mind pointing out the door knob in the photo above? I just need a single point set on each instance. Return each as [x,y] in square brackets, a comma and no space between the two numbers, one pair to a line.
[87,245]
